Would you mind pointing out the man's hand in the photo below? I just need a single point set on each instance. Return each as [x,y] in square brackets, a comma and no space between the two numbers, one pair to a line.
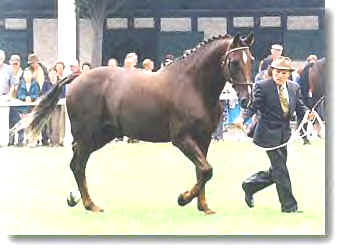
[311,116]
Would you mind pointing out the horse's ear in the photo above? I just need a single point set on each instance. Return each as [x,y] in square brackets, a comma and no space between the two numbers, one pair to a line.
[236,41]
[250,39]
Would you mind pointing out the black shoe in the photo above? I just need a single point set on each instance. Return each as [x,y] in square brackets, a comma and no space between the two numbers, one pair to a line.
[248,196]
[293,209]
[306,141]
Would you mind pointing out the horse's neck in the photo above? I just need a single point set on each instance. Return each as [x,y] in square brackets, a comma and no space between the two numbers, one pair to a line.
[205,70]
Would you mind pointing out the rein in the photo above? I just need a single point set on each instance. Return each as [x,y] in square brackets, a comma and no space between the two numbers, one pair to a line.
[299,129]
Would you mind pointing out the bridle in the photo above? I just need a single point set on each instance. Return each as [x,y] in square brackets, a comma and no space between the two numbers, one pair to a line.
[226,61]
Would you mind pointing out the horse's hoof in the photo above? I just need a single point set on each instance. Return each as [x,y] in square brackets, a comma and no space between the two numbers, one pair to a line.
[208,211]
[73,199]
[94,208]
[181,201]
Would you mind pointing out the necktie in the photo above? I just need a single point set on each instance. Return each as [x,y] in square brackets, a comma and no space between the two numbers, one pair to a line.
[283,100]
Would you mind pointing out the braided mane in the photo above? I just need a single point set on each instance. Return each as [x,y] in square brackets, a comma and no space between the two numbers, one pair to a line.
[198,47]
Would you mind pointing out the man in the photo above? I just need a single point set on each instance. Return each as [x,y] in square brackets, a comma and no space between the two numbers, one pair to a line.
[16,70]
[112,62]
[59,68]
[130,61]
[275,99]
[75,67]
[276,50]
[39,71]
[148,65]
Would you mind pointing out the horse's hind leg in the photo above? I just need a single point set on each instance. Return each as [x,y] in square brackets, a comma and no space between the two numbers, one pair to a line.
[78,164]
[203,172]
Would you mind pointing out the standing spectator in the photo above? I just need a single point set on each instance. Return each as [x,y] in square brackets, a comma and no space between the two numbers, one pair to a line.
[16,70]
[276,99]
[276,50]
[39,71]
[60,110]
[130,61]
[112,62]
[86,66]
[304,78]
[59,68]
[16,74]
[148,65]
[56,122]
[75,67]
[28,91]
[5,75]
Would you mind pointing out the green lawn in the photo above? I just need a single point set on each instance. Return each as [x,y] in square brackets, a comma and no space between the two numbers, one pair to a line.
[138,186]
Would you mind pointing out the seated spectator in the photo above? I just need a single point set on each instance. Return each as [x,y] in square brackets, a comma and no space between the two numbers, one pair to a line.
[86,66]
[28,91]
[148,65]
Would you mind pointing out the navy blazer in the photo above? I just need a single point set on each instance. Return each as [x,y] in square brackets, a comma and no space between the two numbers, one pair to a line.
[272,128]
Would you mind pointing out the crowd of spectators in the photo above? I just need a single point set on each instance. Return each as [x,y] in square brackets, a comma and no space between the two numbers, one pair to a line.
[29,84]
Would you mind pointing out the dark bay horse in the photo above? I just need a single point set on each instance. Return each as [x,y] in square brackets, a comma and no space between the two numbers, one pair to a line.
[180,103]
[313,87]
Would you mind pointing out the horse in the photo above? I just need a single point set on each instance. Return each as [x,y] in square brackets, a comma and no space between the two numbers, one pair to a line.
[313,88]
[178,104]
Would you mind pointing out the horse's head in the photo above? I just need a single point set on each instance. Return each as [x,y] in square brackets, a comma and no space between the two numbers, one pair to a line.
[237,64]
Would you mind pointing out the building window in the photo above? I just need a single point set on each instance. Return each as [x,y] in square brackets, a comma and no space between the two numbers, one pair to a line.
[270,21]
[302,23]
[212,26]
[176,24]
[15,23]
[144,23]
[244,22]
[117,23]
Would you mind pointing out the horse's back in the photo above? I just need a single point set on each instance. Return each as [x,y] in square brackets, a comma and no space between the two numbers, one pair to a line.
[132,103]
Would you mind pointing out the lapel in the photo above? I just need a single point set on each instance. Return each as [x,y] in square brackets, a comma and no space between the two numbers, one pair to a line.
[292,97]
[276,95]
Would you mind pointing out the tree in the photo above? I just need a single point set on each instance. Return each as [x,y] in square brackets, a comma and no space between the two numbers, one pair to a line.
[97,11]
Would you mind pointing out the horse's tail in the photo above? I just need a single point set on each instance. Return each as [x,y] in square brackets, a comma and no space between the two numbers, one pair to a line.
[39,116]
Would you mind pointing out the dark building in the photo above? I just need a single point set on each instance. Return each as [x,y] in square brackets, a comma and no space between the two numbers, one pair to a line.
[153,28]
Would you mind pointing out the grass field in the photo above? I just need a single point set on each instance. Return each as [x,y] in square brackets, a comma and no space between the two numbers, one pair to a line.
[138,186]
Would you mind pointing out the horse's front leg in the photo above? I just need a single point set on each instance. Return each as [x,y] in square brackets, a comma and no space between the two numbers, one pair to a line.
[196,154]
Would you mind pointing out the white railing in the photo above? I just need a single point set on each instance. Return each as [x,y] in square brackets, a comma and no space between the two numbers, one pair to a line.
[6,103]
